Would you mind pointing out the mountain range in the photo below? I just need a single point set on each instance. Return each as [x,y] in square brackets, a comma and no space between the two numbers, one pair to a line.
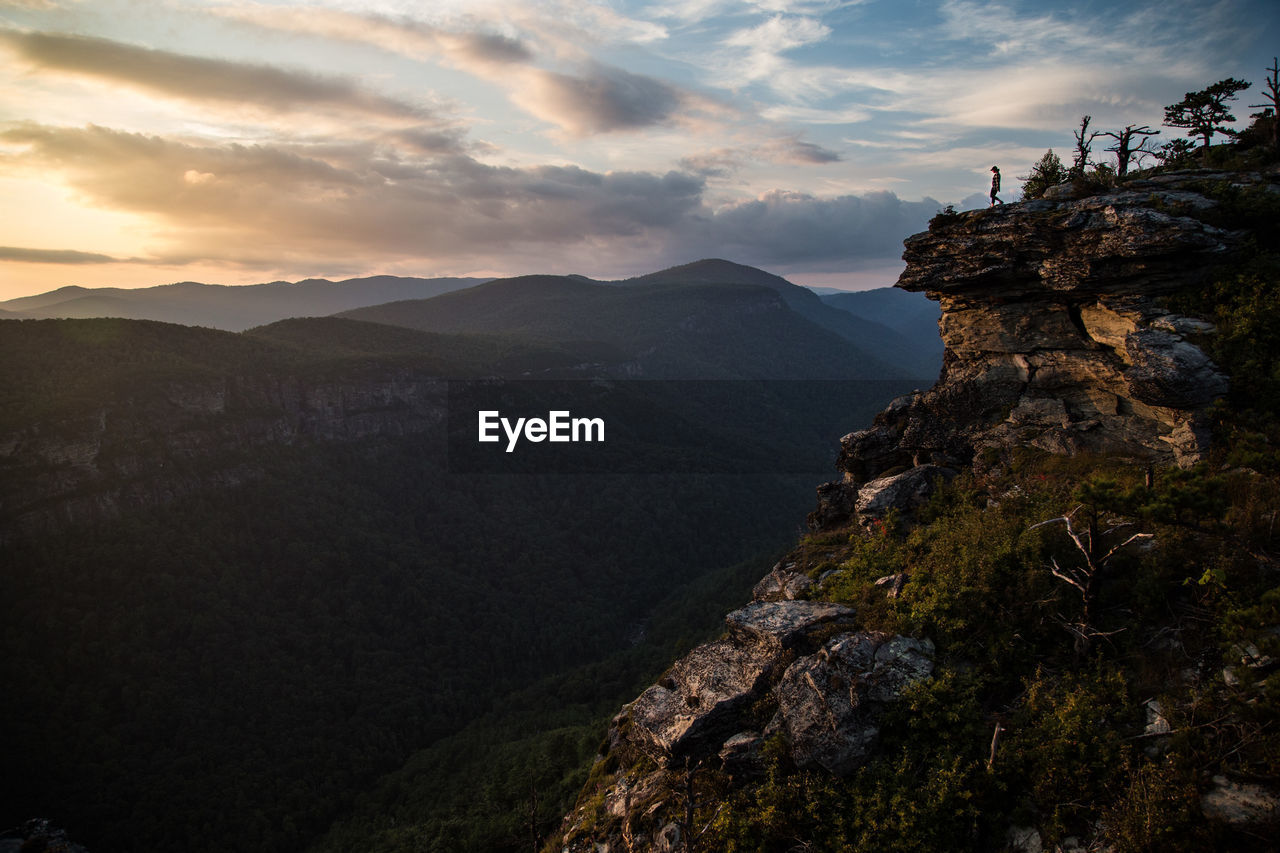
[720,312]
[233,308]
[776,326]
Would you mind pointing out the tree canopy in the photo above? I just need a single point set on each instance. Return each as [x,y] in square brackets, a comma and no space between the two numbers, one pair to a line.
[1206,112]
[1047,172]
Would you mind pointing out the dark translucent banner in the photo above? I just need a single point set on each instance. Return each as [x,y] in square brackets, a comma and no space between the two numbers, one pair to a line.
[657,426]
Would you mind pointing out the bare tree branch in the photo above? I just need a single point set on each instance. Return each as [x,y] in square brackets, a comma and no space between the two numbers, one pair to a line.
[1085,578]
[1124,148]
[1272,109]
[1137,537]
[1084,143]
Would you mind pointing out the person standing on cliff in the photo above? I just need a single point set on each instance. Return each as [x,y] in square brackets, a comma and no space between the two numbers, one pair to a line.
[995,186]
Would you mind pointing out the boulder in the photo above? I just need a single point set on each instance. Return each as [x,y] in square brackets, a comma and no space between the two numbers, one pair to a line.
[779,625]
[1024,839]
[836,502]
[830,703]
[1166,370]
[893,584]
[1040,411]
[903,492]
[1056,336]
[741,756]
[1240,804]
[702,699]
[668,840]
[697,704]
[784,583]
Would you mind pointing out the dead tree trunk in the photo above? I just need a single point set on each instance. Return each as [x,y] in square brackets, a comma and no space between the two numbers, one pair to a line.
[1124,148]
[1085,579]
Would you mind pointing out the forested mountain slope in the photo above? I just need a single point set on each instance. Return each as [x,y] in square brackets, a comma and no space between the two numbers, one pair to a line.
[918,354]
[241,577]
[911,315]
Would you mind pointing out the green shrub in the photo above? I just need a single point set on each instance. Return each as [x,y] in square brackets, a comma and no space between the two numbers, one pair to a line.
[1047,172]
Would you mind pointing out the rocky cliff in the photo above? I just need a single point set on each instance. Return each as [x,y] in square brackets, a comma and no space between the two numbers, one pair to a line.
[156,441]
[1057,337]
[1059,340]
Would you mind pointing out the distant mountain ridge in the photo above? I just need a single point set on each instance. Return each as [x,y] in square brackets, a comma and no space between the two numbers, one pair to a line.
[668,327]
[912,315]
[919,354]
[715,307]
[233,308]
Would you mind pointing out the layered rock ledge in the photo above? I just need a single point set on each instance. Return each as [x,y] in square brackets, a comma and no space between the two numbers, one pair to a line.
[1057,336]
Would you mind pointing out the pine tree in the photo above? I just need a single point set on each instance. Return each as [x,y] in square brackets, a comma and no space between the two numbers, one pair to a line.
[1205,113]
[1048,172]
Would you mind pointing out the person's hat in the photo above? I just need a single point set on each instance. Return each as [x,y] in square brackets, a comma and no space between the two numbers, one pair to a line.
[995,168]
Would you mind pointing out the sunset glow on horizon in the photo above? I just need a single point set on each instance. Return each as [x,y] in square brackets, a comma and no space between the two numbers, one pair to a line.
[242,141]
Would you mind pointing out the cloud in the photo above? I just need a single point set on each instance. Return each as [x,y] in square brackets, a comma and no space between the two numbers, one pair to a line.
[814,115]
[272,204]
[1008,65]
[610,24]
[433,140]
[401,34]
[1008,32]
[797,152]
[53,256]
[594,98]
[780,33]
[691,12]
[226,201]
[765,43]
[199,79]
[1041,70]
[601,99]
[806,232]
[716,163]
[789,150]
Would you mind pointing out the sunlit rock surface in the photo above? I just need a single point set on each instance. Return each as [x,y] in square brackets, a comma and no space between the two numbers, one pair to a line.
[1058,336]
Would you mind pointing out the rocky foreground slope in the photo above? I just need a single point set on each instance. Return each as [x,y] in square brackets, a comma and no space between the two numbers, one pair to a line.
[1059,340]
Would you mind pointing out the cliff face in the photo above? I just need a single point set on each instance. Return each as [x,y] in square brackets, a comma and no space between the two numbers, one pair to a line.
[1056,336]
[182,436]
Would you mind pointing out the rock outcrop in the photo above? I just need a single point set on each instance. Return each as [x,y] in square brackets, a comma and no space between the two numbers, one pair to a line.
[788,669]
[702,700]
[1057,336]
[1240,804]
[829,703]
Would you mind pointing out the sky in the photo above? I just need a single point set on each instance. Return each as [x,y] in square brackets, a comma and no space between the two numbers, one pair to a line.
[144,142]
